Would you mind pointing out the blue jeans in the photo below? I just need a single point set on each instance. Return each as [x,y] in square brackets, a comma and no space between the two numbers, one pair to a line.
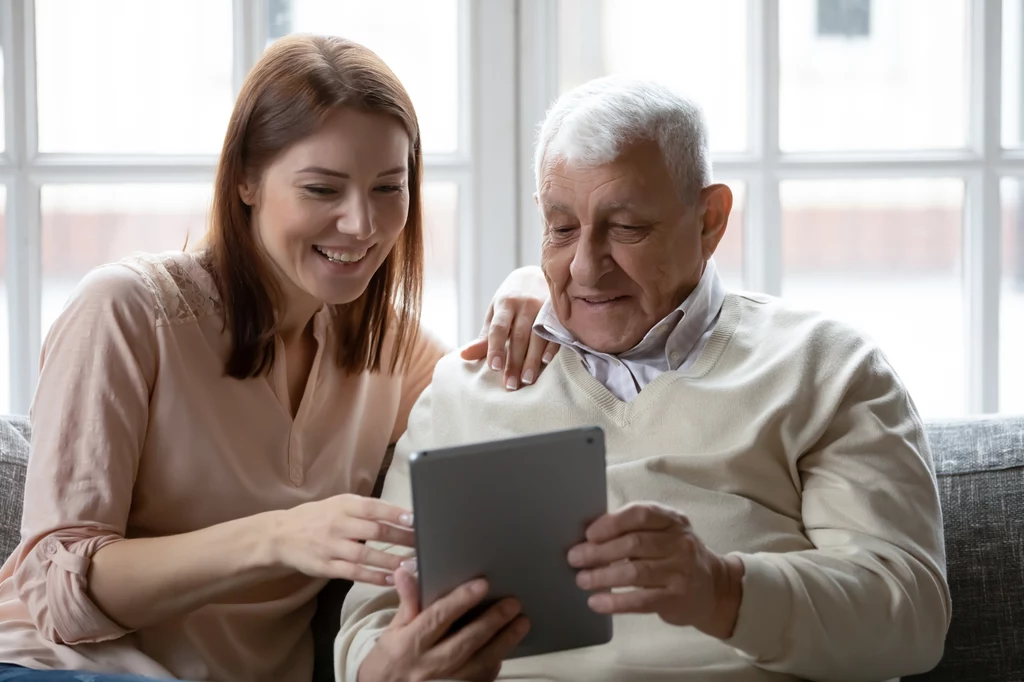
[9,673]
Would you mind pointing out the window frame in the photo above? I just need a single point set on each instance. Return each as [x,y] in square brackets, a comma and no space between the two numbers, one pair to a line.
[508,70]
[24,170]
[765,166]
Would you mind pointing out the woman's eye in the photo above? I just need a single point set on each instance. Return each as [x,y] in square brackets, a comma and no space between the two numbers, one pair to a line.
[390,189]
[318,190]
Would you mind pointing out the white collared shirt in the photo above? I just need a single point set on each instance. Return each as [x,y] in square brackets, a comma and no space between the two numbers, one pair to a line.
[673,344]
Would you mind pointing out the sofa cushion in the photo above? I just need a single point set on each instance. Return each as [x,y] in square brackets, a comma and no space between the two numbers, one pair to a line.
[14,435]
[980,467]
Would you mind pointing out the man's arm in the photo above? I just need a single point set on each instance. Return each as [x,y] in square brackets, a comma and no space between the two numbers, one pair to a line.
[871,601]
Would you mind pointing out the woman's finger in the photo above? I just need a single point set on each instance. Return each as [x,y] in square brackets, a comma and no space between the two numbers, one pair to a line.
[346,570]
[534,358]
[518,347]
[372,509]
[364,555]
[497,338]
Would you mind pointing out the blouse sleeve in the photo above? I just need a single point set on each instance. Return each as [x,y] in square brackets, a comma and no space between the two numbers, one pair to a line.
[89,420]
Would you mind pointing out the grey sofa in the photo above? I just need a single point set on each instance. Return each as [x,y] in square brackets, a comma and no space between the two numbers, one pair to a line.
[980,464]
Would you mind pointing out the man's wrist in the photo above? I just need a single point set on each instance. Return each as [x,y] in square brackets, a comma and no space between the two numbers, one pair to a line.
[728,591]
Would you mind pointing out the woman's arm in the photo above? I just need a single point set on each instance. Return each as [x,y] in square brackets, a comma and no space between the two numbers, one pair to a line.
[78,576]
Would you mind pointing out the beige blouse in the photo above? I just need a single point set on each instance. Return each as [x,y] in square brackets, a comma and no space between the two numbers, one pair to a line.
[137,432]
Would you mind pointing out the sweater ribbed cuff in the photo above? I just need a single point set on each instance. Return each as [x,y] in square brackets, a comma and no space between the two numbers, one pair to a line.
[763,622]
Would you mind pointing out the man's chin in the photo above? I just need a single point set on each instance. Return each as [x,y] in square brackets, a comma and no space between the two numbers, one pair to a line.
[604,343]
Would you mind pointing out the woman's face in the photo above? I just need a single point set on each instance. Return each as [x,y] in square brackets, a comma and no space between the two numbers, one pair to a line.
[328,210]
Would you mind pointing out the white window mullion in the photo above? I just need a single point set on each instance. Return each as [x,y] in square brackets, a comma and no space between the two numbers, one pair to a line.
[762,257]
[249,28]
[489,250]
[24,265]
[538,88]
[982,219]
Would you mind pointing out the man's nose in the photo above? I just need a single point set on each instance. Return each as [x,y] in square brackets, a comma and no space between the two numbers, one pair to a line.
[355,218]
[591,262]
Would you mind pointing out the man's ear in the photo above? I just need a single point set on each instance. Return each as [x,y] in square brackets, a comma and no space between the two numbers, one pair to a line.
[717,203]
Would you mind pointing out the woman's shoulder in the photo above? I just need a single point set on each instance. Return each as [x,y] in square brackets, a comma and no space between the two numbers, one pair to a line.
[177,283]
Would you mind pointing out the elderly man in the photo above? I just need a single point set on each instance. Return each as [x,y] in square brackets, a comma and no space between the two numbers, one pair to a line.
[773,502]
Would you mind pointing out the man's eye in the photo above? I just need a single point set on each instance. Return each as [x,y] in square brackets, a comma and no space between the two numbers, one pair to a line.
[565,229]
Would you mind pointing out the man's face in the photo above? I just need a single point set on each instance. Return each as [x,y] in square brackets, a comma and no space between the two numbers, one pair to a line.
[621,248]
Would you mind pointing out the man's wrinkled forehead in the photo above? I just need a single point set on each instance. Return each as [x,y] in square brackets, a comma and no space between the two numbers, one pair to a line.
[566,188]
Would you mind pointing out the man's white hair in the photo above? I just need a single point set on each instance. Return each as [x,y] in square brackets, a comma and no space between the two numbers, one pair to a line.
[592,124]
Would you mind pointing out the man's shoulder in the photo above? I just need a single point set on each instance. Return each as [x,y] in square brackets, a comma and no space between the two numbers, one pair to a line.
[776,320]
[454,373]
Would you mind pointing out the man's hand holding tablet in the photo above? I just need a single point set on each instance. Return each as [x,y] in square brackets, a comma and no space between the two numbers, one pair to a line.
[417,645]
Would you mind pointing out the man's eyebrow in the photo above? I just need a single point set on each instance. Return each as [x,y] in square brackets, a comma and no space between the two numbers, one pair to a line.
[550,207]
[622,205]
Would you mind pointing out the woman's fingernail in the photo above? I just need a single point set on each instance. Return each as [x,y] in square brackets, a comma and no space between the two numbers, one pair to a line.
[548,357]
[496,363]
[389,579]
[406,519]
[528,377]
[512,383]
[409,565]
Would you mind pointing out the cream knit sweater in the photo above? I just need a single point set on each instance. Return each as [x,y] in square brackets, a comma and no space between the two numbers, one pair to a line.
[790,443]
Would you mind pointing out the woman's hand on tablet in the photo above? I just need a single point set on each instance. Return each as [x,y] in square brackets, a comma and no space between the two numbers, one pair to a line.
[652,548]
[415,645]
[327,539]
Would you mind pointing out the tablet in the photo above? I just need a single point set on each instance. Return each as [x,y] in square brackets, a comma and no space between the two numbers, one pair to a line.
[509,511]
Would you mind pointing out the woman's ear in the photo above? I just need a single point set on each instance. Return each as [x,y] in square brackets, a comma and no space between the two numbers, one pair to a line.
[248,192]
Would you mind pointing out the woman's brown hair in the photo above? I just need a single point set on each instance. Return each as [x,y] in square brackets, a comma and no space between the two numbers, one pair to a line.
[298,83]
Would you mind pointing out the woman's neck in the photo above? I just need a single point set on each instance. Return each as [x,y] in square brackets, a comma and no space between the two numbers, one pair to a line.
[295,317]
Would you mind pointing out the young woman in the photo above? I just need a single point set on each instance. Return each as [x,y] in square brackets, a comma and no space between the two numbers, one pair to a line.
[209,425]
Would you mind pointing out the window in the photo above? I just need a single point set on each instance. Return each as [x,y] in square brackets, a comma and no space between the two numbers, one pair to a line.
[845,18]
[419,41]
[5,354]
[113,144]
[862,134]
[876,160]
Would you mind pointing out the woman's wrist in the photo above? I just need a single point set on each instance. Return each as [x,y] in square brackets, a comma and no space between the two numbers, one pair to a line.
[267,537]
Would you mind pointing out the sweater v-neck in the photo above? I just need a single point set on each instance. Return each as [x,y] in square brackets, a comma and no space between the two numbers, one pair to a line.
[623,413]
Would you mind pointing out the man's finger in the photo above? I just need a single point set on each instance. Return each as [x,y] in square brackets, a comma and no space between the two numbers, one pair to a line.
[489,658]
[630,601]
[409,597]
[626,574]
[435,621]
[640,545]
[644,516]
[457,650]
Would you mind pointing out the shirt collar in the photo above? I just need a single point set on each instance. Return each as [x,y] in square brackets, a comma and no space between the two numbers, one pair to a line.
[669,341]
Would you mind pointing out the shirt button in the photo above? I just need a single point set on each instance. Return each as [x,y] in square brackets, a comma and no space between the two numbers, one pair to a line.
[674,357]
[51,546]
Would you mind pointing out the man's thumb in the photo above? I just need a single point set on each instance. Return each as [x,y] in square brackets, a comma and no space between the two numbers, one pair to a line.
[409,597]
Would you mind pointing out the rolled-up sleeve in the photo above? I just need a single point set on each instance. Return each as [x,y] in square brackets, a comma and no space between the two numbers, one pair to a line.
[89,420]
